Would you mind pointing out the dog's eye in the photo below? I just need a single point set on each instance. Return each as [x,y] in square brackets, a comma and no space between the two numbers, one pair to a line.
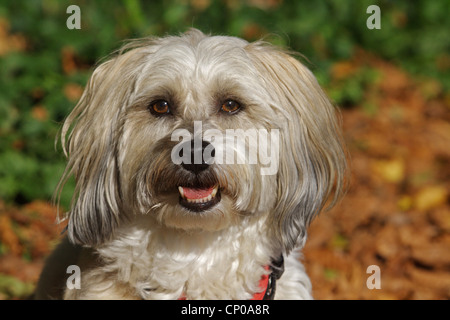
[230,107]
[159,107]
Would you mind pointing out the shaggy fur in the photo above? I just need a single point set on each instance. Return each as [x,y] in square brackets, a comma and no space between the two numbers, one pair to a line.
[127,230]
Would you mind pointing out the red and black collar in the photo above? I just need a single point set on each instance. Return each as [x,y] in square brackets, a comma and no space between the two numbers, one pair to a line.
[268,281]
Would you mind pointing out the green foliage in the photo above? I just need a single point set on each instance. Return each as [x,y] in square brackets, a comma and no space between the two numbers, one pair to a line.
[350,90]
[11,287]
[33,100]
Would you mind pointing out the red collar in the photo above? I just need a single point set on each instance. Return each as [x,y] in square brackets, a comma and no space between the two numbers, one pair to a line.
[267,283]
[264,284]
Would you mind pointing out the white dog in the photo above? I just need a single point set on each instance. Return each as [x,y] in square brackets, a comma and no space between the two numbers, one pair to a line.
[154,217]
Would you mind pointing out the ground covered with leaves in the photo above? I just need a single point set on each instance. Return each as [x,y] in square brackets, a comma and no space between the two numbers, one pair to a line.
[396,213]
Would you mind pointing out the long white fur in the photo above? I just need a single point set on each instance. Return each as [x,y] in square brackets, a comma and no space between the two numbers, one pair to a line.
[127,232]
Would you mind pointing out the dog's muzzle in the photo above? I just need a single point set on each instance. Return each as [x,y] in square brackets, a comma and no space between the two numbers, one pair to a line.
[198,197]
[202,155]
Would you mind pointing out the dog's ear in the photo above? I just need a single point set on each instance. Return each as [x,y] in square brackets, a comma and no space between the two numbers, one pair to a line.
[313,164]
[90,135]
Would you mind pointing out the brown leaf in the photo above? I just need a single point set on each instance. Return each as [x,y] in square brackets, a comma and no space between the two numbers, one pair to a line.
[416,234]
[439,280]
[19,268]
[435,255]
[43,209]
[441,218]
[8,237]
[386,243]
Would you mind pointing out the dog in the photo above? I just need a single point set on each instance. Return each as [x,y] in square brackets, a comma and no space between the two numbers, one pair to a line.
[156,213]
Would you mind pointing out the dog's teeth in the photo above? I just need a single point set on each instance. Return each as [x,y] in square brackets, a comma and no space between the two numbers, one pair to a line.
[200,200]
[205,199]
[213,193]
[180,189]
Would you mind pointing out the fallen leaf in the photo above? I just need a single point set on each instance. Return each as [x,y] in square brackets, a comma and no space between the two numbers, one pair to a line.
[438,280]
[441,218]
[390,170]
[8,236]
[405,203]
[430,197]
[435,255]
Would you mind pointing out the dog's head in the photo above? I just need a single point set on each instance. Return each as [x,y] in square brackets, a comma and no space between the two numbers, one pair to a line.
[202,132]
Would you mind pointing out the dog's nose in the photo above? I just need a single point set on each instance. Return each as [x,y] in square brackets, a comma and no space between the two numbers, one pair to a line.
[201,157]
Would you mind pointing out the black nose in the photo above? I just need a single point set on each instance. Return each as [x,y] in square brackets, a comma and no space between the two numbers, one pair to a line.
[201,156]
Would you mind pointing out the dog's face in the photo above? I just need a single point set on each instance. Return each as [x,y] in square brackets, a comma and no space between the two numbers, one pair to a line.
[202,132]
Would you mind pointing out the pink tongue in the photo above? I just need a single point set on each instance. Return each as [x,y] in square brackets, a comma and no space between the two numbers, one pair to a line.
[197,193]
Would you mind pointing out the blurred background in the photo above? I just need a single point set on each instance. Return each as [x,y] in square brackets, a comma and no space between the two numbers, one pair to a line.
[391,85]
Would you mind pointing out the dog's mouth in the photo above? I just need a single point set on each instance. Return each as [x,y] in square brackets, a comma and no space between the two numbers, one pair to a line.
[199,199]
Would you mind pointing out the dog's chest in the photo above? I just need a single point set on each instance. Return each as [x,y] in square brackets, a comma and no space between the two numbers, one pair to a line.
[202,266]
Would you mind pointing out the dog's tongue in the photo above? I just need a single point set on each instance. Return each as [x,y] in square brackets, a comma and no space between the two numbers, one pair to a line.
[191,193]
